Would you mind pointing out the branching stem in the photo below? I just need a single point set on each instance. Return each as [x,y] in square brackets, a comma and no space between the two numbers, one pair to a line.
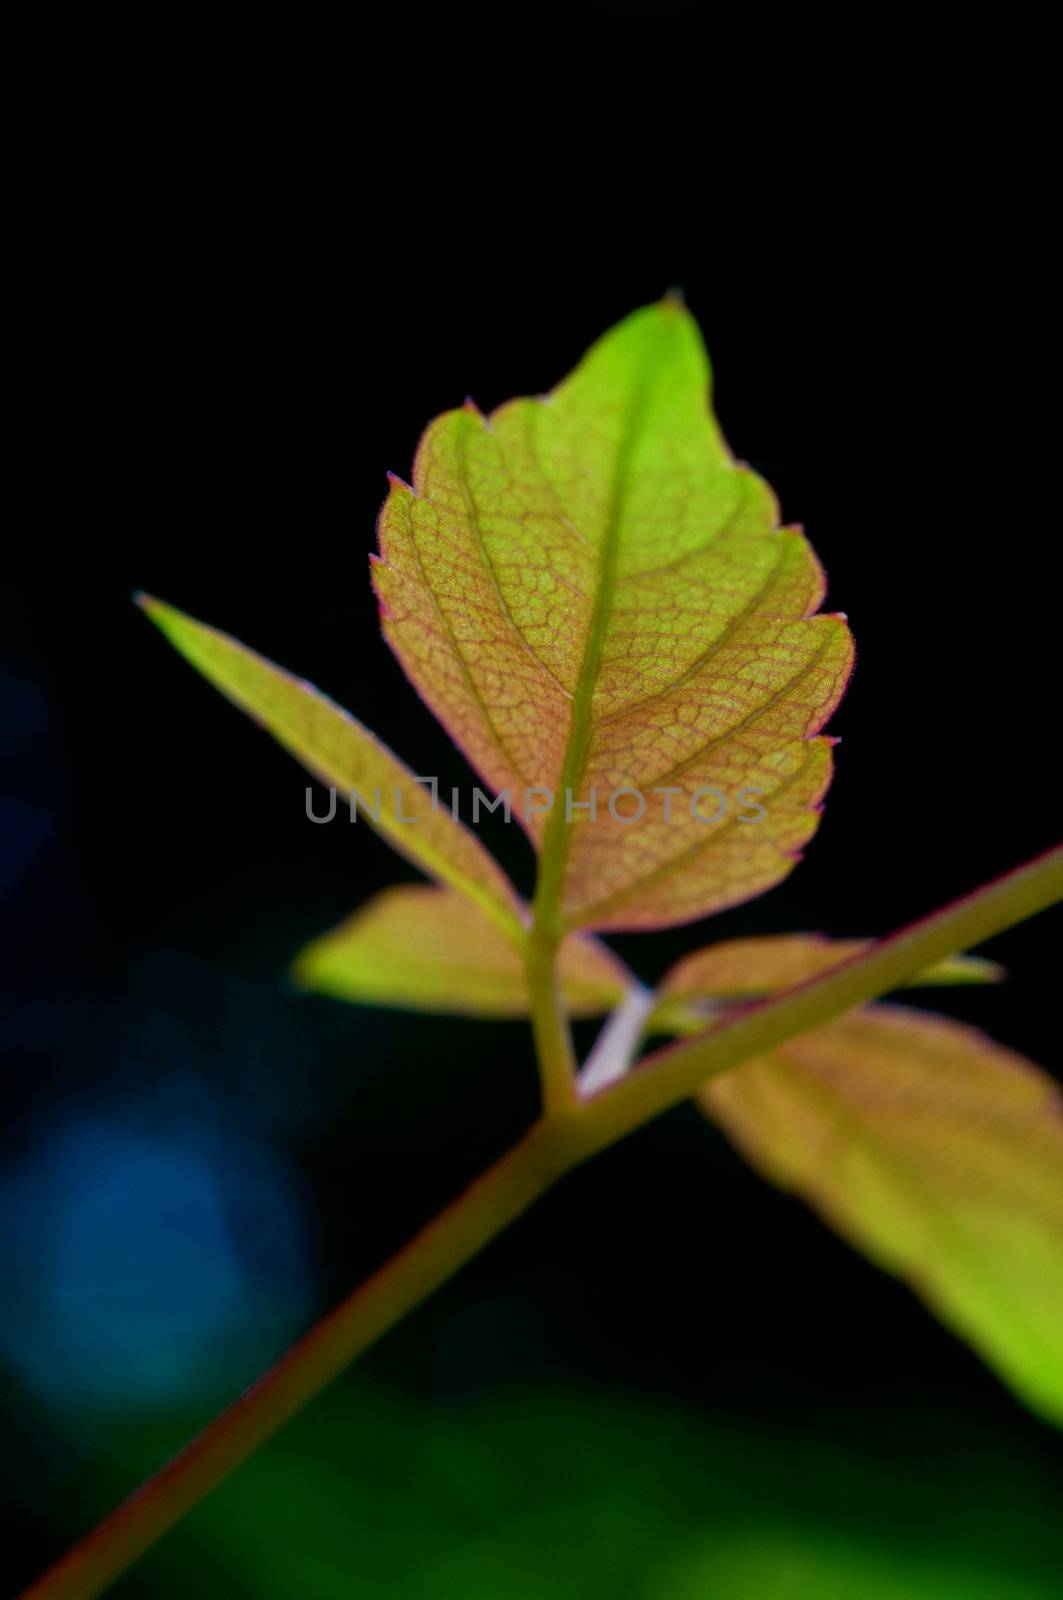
[570,1131]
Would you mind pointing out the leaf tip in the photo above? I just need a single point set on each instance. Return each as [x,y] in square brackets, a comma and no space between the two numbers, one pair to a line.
[400,485]
[674,299]
[469,405]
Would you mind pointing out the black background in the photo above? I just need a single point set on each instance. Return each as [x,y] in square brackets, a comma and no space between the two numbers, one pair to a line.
[210,412]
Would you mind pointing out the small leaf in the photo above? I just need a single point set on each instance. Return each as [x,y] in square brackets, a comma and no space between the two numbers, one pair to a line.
[338,750]
[593,595]
[425,949]
[936,1152]
[740,968]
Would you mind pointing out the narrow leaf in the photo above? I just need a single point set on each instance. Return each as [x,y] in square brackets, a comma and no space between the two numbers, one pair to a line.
[936,1152]
[425,949]
[594,596]
[739,968]
[338,750]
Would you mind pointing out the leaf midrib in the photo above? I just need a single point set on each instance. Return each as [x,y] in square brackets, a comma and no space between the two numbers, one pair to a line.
[554,852]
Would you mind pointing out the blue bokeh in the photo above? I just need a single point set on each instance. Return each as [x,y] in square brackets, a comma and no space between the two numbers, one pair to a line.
[149,1266]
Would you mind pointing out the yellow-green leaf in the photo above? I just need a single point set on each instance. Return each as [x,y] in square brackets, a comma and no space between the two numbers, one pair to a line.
[739,968]
[426,949]
[940,1155]
[594,596]
[338,750]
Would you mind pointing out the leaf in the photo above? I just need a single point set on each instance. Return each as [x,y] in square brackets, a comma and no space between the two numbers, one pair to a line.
[425,949]
[593,595]
[940,1155]
[739,968]
[338,750]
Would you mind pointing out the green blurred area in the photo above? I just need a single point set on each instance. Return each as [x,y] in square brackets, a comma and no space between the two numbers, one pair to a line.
[558,1495]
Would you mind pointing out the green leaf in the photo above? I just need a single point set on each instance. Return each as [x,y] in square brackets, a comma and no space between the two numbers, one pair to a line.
[593,595]
[425,949]
[940,1155]
[338,750]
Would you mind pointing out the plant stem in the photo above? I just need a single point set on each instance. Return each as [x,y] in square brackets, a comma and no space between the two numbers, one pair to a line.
[552,1147]
[676,1072]
[550,1026]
